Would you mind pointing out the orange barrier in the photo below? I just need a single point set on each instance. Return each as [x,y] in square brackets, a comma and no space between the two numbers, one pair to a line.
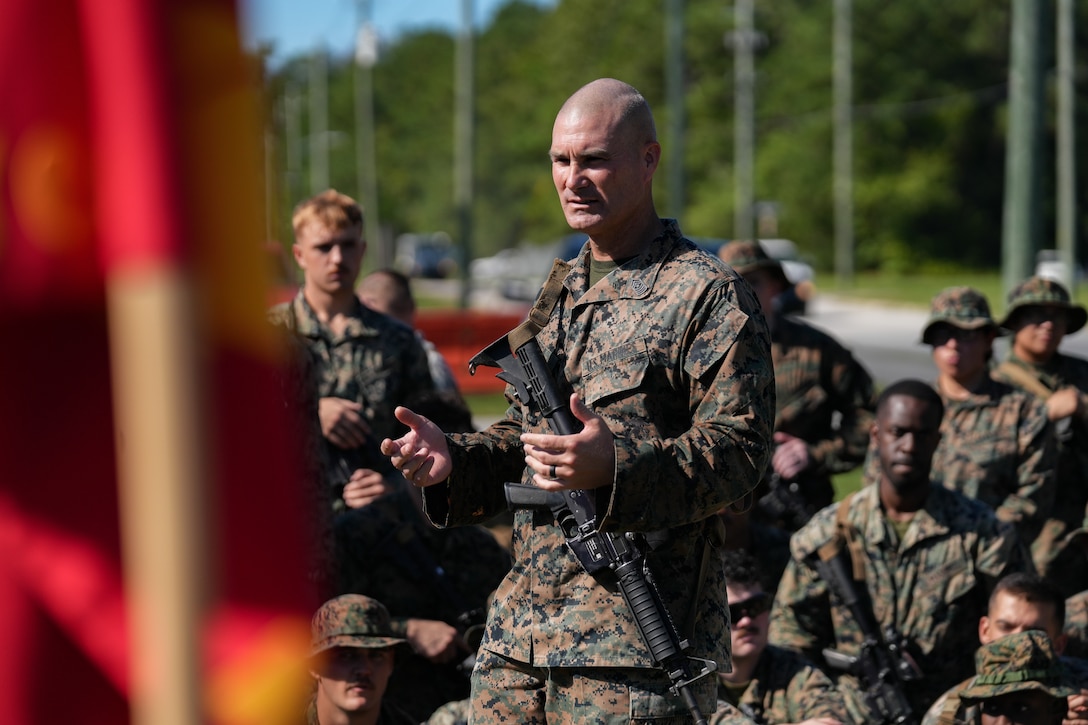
[461,334]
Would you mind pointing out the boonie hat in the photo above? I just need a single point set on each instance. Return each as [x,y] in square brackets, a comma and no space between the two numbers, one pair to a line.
[962,307]
[749,255]
[1039,291]
[1018,662]
[351,620]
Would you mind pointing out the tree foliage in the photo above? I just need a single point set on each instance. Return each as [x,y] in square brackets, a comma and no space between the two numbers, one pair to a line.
[930,87]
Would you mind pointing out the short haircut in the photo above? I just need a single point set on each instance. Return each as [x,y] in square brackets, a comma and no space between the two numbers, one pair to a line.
[391,288]
[635,115]
[1031,588]
[741,568]
[330,209]
[914,389]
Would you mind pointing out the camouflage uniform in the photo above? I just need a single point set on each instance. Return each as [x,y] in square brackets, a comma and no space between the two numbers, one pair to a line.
[1076,625]
[352,620]
[420,572]
[785,688]
[932,587]
[824,396]
[378,362]
[1056,551]
[1021,661]
[997,445]
[667,350]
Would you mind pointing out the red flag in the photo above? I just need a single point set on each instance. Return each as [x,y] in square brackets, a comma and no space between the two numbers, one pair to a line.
[140,376]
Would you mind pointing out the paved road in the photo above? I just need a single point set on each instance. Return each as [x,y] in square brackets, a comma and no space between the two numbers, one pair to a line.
[887,339]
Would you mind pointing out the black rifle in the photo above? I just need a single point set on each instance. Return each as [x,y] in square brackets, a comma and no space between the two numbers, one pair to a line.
[883,665]
[599,553]
[784,504]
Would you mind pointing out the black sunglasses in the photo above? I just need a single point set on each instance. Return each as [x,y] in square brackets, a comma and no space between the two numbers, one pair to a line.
[751,607]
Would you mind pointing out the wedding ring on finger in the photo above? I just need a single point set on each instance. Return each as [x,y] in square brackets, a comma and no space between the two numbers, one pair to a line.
[551,475]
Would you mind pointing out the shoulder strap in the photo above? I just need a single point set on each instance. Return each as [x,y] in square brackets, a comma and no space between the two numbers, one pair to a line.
[845,538]
[1024,379]
[542,309]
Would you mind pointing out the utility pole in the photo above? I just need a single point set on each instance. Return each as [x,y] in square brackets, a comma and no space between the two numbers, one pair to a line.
[1022,221]
[1067,145]
[319,121]
[743,40]
[292,129]
[463,144]
[366,163]
[674,92]
[843,184]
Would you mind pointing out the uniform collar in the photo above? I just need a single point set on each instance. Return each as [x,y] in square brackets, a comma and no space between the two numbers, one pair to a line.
[632,280]
[360,320]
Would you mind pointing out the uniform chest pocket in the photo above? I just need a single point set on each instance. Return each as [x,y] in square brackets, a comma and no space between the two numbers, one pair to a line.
[616,373]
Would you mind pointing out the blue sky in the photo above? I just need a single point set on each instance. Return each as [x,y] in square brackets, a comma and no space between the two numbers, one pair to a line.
[297,26]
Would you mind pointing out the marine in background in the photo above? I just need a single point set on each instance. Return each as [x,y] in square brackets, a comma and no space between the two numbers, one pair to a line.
[825,399]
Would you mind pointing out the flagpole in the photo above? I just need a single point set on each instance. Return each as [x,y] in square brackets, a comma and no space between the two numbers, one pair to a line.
[160,471]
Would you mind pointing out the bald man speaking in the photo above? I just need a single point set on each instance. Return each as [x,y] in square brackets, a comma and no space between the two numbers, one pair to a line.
[666,365]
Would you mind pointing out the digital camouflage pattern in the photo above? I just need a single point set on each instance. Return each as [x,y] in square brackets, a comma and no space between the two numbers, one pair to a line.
[824,397]
[638,696]
[1076,625]
[419,572]
[932,587]
[452,713]
[1037,291]
[962,307]
[1058,555]
[351,620]
[997,446]
[378,363]
[299,393]
[389,714]
[667,351]
[747,255]
[1017,662]
[785,688]
[949,709]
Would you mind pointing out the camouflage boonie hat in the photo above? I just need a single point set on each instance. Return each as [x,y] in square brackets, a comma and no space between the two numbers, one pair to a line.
[962,307]
[748,256]
[351,620]
[1018,662]
[1039,291]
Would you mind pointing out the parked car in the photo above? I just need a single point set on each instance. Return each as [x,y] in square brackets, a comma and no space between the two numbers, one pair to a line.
[426,255]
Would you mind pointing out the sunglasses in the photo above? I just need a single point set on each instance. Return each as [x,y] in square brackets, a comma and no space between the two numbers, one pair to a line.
[751,607]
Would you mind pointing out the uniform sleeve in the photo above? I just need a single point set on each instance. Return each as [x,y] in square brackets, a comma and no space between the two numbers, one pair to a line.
[1033,501]
[812,695]
[726,364]
[1001,551]
[853,398]
[482,462]
[801,616]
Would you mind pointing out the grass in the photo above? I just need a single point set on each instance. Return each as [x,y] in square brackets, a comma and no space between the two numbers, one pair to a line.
[487,405]
[917,290]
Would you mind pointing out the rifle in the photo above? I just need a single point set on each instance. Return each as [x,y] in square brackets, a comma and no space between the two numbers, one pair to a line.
[784,503]
[883,665]
[599,553]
